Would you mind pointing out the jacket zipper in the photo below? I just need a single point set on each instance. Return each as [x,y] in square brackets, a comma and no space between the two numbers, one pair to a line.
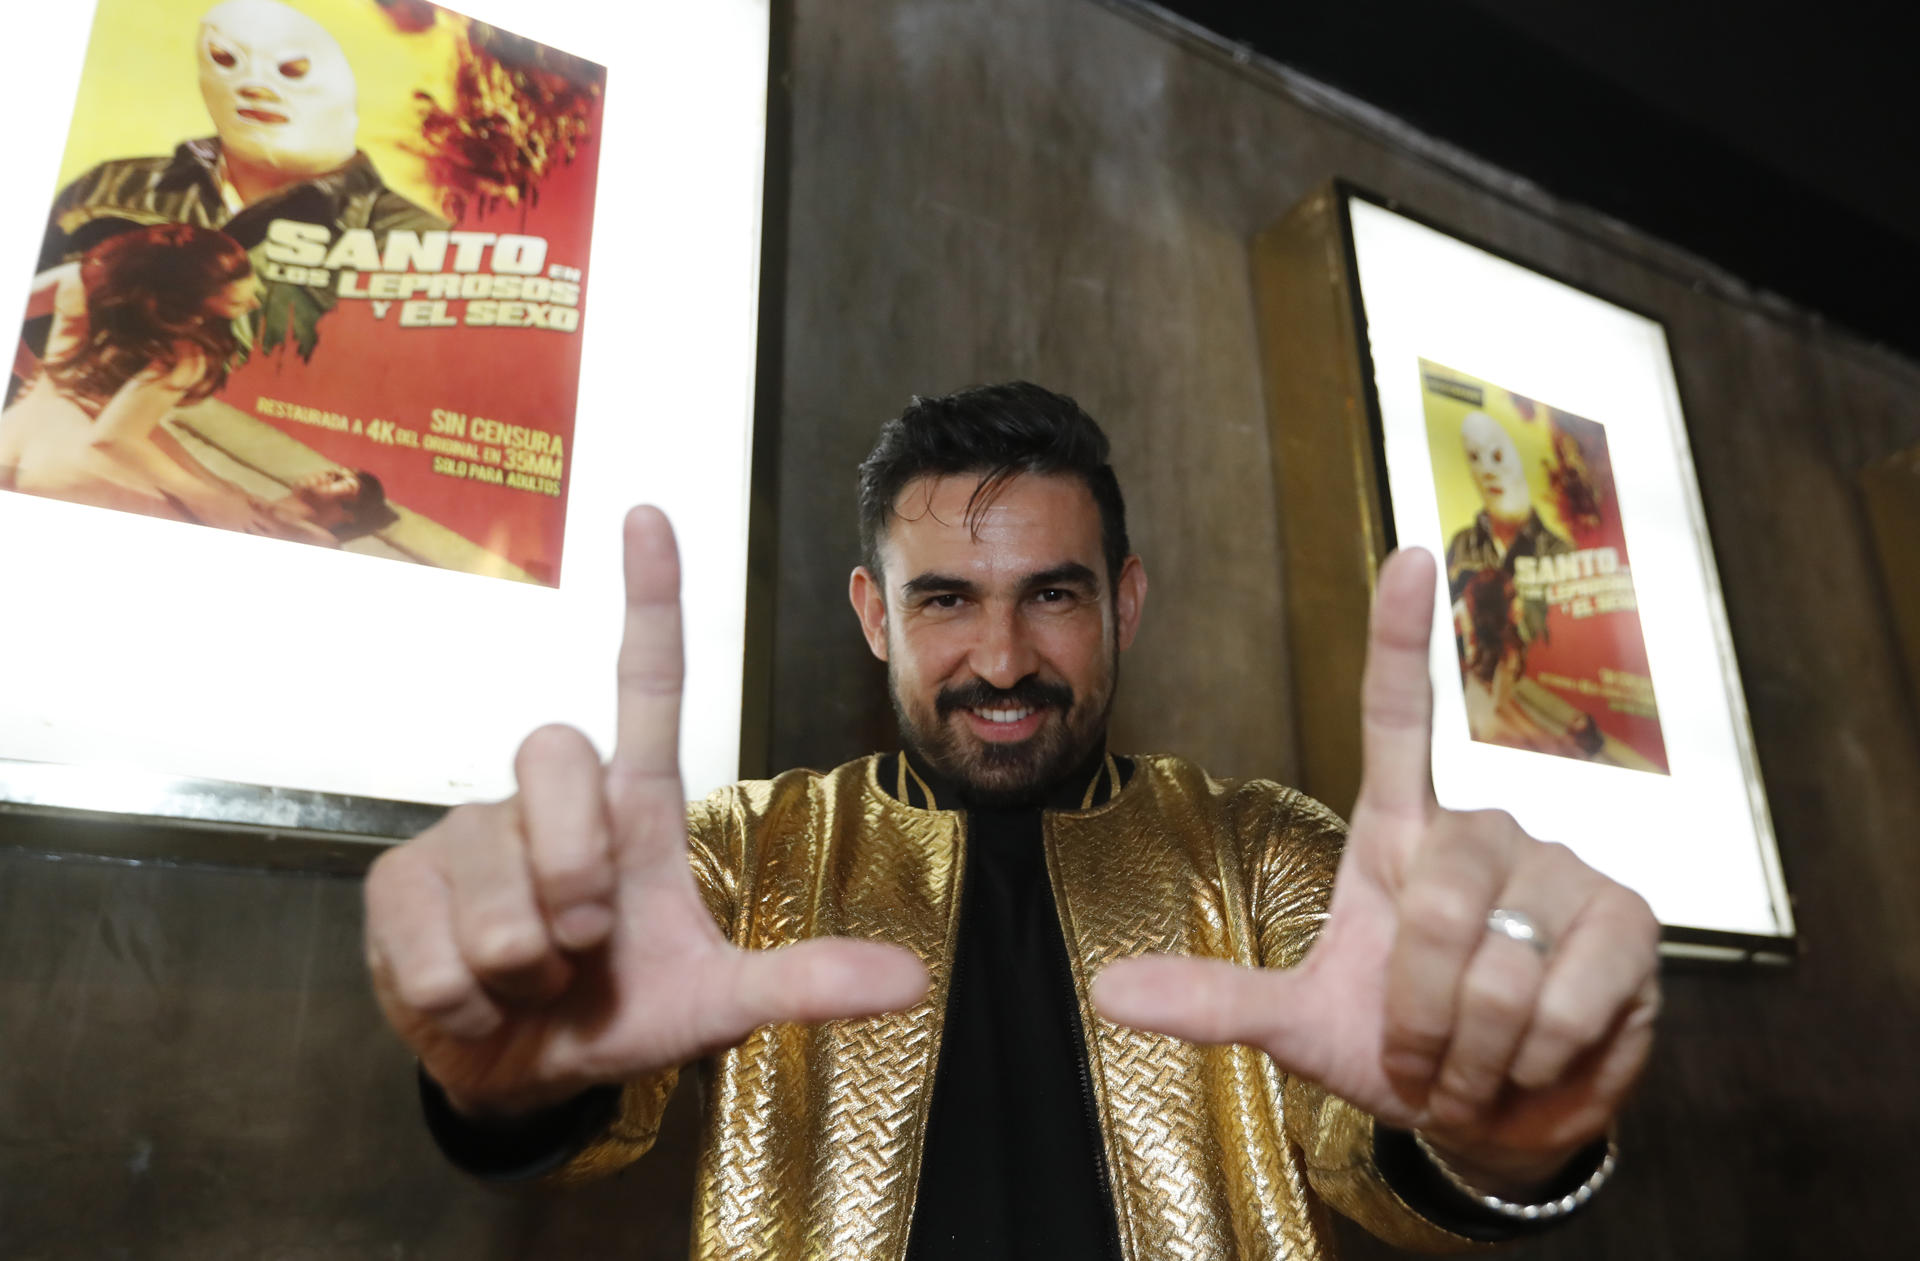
[1089,1103]
[963,860]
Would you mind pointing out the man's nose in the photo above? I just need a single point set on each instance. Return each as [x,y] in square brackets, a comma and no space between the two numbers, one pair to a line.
[258,92]
[1005,653]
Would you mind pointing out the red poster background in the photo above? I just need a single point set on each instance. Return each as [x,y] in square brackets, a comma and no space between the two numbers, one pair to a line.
[370,368]
[1580,648]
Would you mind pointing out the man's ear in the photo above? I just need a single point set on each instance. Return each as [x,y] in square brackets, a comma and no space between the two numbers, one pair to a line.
[1129,598]
[868,595]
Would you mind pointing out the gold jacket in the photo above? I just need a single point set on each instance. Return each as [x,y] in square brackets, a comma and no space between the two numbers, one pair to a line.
[813,1134]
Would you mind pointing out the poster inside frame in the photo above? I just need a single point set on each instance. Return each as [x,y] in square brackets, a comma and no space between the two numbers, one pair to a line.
[290,669]
[1531,436]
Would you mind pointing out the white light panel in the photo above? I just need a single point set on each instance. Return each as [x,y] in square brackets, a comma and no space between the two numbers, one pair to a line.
[160,647]
[1696,843]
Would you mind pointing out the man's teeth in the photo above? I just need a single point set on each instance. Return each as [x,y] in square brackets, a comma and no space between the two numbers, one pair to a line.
[1004,715]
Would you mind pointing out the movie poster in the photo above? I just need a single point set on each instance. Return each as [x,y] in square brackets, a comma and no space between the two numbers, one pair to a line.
[1546,622]
[316,270]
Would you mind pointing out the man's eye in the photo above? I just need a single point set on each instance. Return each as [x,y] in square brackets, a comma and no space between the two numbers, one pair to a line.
[1053,595]
[947,601]
[296,69]
[221,57]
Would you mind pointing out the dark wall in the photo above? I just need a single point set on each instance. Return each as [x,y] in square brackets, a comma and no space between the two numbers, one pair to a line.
[190,1066]
[192,1069]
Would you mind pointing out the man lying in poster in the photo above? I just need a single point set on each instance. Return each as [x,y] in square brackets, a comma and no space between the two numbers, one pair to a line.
[333,506]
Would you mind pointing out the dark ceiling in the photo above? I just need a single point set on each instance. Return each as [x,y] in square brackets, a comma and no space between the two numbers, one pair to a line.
[1778,143]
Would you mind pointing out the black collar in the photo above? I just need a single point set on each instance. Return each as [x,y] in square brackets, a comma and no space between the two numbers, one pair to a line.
[198,161]
[906,777]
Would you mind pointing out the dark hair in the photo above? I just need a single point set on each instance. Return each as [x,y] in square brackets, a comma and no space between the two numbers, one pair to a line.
[1489,599]
[370,495]
[367,511]
[147,294]
[997,431]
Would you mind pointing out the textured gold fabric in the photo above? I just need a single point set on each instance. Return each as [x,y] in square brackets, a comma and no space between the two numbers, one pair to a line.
[813,1135]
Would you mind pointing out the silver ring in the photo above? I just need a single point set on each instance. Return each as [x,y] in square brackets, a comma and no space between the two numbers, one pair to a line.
[1518,926]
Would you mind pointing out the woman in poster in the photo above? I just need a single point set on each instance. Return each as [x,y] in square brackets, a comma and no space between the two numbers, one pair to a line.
[141,324]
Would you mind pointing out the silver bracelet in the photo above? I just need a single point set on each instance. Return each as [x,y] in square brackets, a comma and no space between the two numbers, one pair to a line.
[1525,1212]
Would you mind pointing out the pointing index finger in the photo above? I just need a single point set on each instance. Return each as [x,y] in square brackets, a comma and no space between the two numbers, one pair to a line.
[1396,693]
[651,666]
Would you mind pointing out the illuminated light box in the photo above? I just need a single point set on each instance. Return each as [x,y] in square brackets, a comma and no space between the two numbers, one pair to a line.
[501,261]
[1427,392]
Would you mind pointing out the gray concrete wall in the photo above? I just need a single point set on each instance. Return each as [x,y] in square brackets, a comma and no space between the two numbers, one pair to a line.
[190,1066]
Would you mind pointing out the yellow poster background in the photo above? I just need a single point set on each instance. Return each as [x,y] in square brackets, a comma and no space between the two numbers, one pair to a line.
[1459,499]
[140,93]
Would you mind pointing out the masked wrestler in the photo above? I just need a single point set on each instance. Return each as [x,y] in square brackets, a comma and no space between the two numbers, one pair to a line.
[1361,1019]
[1507,525]
[283,102]
[141,325]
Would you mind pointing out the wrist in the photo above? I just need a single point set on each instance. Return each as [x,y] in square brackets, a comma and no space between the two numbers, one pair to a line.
[1501,1171]
[502,1149]
[1564,1191]
[505,1113]
[503,1110]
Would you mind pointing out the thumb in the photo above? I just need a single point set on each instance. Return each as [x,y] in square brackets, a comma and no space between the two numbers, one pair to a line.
[816,981]
[1211,1001]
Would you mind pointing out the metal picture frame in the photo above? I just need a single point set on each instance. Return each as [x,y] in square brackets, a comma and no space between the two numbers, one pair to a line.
[136,801]
[1346,289]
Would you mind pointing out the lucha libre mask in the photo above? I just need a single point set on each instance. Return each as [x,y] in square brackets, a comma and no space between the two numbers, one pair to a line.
[278,87]
[1494,462]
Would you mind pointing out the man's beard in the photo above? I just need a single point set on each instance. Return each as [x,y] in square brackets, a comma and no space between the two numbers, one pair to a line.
[1013,773]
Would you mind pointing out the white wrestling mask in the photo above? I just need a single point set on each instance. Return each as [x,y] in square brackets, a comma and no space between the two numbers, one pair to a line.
[278,87]
[1494,461]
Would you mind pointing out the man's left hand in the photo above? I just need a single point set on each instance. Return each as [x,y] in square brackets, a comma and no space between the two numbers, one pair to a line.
[1509,1056]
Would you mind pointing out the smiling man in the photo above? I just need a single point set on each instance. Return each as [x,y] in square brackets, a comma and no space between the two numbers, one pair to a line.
[1004,642]
[1006,992]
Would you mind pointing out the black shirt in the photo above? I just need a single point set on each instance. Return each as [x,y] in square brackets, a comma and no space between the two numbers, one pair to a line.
[1013,1164]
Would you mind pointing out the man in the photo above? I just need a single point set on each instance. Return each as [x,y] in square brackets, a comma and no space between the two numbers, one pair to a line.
[1507,525]
[332,507]
[283,101]
[974,1074]
[1496,613]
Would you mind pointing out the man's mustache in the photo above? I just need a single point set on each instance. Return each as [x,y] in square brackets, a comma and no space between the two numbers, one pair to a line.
[1029,692]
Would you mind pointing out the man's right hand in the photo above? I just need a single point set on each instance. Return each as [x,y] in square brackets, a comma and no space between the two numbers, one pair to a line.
[528,949]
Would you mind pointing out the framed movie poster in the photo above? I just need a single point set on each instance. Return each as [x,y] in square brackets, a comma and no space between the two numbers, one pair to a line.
[341,334]
[1428,392]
